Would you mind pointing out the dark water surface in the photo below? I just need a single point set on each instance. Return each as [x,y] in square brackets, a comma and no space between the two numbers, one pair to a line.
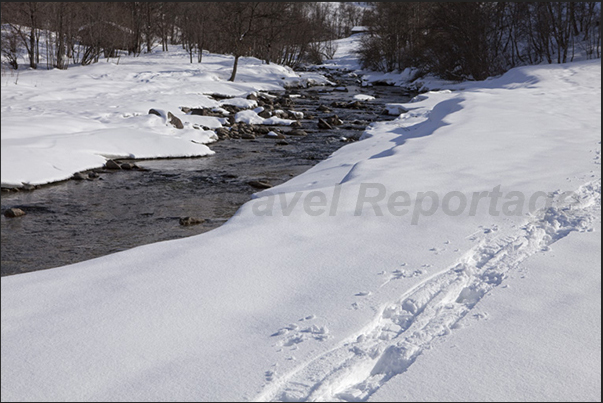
[72,221]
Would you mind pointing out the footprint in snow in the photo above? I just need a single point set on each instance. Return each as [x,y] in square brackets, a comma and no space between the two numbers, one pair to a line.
[269,375]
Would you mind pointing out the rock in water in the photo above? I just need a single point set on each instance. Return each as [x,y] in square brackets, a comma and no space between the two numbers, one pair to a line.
[297,132]
[322,124]
[259,184]
[185,221]
[78,176]
[14,212]
[112,165]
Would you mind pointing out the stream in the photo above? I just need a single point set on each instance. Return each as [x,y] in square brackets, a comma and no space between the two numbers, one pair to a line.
[73,221]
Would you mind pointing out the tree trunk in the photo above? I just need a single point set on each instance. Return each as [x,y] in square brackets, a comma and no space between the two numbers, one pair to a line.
[32,47]
[234,68]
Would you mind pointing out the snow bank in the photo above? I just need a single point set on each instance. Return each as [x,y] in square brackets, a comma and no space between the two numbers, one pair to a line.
[56,123]
[346,280]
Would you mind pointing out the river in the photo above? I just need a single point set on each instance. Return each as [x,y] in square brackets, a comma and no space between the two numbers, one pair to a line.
[73,221]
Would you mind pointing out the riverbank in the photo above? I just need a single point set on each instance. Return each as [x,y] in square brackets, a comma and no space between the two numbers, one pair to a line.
[299,305]
[104,211]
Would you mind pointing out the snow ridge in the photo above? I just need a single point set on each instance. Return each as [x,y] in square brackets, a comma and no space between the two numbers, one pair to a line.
[392,342]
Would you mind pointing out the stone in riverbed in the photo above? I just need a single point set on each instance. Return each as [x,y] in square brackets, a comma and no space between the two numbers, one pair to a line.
[297,132]
[186,221]
[259,184]
[265,114]
[14,212]
[28,187]
[275,136]
[78,176]
[334,121]
[112,165]
[261,130]
[355,105]
[322,124]
[223,133]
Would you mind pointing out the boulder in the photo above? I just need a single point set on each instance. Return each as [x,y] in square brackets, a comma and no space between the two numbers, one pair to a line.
[297,132]
[78,176]
[355,105]
[265,114]
[112,165]
[295,115]
[261,130]
[259,184]
[174,121]
[275,136]
[334,121]
[186,221]
[322,124]
[14,212]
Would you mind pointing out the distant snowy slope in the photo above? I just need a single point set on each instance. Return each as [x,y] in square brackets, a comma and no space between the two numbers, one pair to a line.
[355,276]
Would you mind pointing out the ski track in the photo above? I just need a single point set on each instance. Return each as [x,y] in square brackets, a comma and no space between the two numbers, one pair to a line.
[390,344]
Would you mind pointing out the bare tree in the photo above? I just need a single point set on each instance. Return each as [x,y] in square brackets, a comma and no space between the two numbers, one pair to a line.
[238,19]
[24,20]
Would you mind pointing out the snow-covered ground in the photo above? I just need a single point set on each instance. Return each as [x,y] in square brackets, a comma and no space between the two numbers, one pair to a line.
[56,123]
[452,254]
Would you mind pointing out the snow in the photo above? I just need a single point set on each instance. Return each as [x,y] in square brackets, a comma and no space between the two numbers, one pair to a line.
[56,123]
[240,103]
[364,97]
[345,57]
[361,279]
[252,118]
[533,327]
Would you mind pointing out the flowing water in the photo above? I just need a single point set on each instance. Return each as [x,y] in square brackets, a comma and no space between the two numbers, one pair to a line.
[72,221]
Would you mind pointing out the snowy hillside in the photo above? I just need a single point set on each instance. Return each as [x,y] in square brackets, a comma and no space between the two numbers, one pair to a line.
[452,254]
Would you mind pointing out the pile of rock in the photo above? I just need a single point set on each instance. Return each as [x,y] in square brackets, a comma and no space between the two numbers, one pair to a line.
[115,165]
